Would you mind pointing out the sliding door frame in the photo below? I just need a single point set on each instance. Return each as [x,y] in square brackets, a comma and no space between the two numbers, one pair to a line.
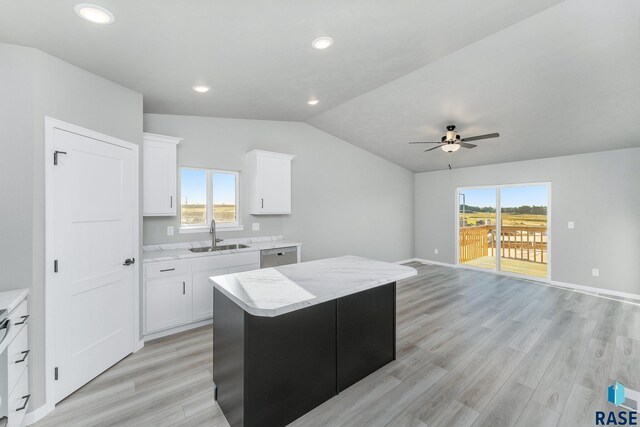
[497,270]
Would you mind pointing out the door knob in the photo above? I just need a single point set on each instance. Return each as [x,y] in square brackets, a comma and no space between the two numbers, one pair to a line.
[129,261]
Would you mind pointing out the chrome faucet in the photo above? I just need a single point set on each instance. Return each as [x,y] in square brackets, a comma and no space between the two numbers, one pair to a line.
[212,230]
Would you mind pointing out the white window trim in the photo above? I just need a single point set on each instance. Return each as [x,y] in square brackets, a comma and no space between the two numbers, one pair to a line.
[223,226]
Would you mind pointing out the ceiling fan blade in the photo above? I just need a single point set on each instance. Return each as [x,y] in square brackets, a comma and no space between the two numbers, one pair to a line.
[465,145]
[425,142]
[430,149]
[475,138]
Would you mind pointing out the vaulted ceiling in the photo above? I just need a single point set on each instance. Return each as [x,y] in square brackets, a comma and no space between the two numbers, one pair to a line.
[552,77]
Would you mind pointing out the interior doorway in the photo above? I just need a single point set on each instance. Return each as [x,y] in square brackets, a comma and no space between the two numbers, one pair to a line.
[505,228]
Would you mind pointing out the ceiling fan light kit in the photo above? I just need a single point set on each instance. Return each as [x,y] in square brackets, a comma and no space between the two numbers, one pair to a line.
[451,141]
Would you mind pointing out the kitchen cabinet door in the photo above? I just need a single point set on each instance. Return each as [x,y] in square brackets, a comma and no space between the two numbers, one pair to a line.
[167,302]
[202,307]
[160,174]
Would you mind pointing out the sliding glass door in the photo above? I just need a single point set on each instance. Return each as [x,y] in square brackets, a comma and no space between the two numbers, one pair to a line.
[523,229]
[505,228]
[477,218]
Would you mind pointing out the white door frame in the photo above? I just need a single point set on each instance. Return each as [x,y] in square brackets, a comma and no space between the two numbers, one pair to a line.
[498,230]
[50,125]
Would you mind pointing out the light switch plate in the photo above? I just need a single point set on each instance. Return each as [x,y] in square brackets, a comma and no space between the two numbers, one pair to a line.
[170,231]
[255,226]
[571,225]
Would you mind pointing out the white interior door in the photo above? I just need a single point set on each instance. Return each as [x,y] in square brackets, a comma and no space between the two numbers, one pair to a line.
[92,292]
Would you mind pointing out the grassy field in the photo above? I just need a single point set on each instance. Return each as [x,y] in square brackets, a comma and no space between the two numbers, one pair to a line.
[526,220]
[196,214]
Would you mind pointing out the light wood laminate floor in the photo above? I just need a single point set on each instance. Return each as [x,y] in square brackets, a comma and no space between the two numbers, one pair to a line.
[473,348]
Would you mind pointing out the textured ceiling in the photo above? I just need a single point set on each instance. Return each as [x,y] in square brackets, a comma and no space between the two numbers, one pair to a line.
[554,78]
[256,54]
[564,81]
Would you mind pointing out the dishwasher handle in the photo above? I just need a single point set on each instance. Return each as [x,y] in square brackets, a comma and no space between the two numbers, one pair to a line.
[279,251]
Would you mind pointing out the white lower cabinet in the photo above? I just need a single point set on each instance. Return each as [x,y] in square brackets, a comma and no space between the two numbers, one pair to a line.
[14,368]
[203,293]
[178,293]
[167,302]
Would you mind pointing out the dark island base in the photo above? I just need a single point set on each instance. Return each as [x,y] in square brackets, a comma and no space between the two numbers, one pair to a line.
[269,371]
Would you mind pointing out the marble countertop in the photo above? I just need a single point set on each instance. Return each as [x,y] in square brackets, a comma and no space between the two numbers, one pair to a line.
[10,299]
[274,291]
[168,252]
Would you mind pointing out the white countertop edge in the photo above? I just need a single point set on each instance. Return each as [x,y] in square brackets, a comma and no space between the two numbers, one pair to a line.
[9,300]
[273,312]
[157,256]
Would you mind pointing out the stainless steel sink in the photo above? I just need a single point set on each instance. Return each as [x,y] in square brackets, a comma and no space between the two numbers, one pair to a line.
[218,248]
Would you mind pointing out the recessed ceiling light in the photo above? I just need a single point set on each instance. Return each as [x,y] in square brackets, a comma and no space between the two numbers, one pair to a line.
[313,101]
[201,88]
[93,13]
[322,43]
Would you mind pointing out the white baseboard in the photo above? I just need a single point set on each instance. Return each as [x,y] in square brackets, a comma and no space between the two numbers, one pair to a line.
[586,289]
[428,261]
[176,330]
[138,346]
[37,414]
[594,290]
[404,261]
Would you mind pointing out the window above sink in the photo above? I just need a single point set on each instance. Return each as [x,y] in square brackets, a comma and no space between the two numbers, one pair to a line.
[207,194]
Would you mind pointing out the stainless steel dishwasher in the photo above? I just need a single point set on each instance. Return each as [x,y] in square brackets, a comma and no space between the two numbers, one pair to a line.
[280,256]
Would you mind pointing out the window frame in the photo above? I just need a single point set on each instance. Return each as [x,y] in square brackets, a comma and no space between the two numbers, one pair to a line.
[221,226]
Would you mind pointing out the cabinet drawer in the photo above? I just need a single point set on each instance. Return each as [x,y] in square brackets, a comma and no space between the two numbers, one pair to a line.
[224,261]
[18,319]
[241,268]
[166,268]
[17,357]
[245,258]
[18,402]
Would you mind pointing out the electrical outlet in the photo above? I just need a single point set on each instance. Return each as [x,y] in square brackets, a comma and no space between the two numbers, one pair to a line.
[595,272]
[571,225]
[255,226]
[435,251]
[170,231]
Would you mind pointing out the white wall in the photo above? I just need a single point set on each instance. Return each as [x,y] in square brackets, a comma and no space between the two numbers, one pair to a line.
[345,200]
[600,192]
[34,85]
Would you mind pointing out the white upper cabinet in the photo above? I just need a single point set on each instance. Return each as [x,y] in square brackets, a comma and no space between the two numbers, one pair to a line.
[268,178]
[159,174]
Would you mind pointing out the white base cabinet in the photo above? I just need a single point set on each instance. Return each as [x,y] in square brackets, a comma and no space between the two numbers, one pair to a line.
[167,302]
[14,368]
[178,293]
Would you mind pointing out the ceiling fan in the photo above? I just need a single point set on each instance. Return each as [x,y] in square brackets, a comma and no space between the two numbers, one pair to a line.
[452,142]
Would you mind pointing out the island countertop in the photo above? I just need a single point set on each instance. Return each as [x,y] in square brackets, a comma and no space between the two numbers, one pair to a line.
[274,291]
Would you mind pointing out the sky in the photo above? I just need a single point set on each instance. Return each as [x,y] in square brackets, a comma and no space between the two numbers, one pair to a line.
[193,187]
[509,196]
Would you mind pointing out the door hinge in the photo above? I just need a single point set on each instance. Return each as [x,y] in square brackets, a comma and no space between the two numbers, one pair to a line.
[55,156]
[55,373]
[55,265]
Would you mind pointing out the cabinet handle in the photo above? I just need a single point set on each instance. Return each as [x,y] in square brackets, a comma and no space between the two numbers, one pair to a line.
[262,203]
[24,357]
[24,320]
[24,405]
[167,269]
[170,201]
[184,288]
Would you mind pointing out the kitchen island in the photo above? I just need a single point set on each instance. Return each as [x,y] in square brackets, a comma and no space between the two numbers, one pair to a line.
[289,338]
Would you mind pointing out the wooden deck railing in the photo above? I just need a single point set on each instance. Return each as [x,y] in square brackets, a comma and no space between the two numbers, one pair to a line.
[516,242]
